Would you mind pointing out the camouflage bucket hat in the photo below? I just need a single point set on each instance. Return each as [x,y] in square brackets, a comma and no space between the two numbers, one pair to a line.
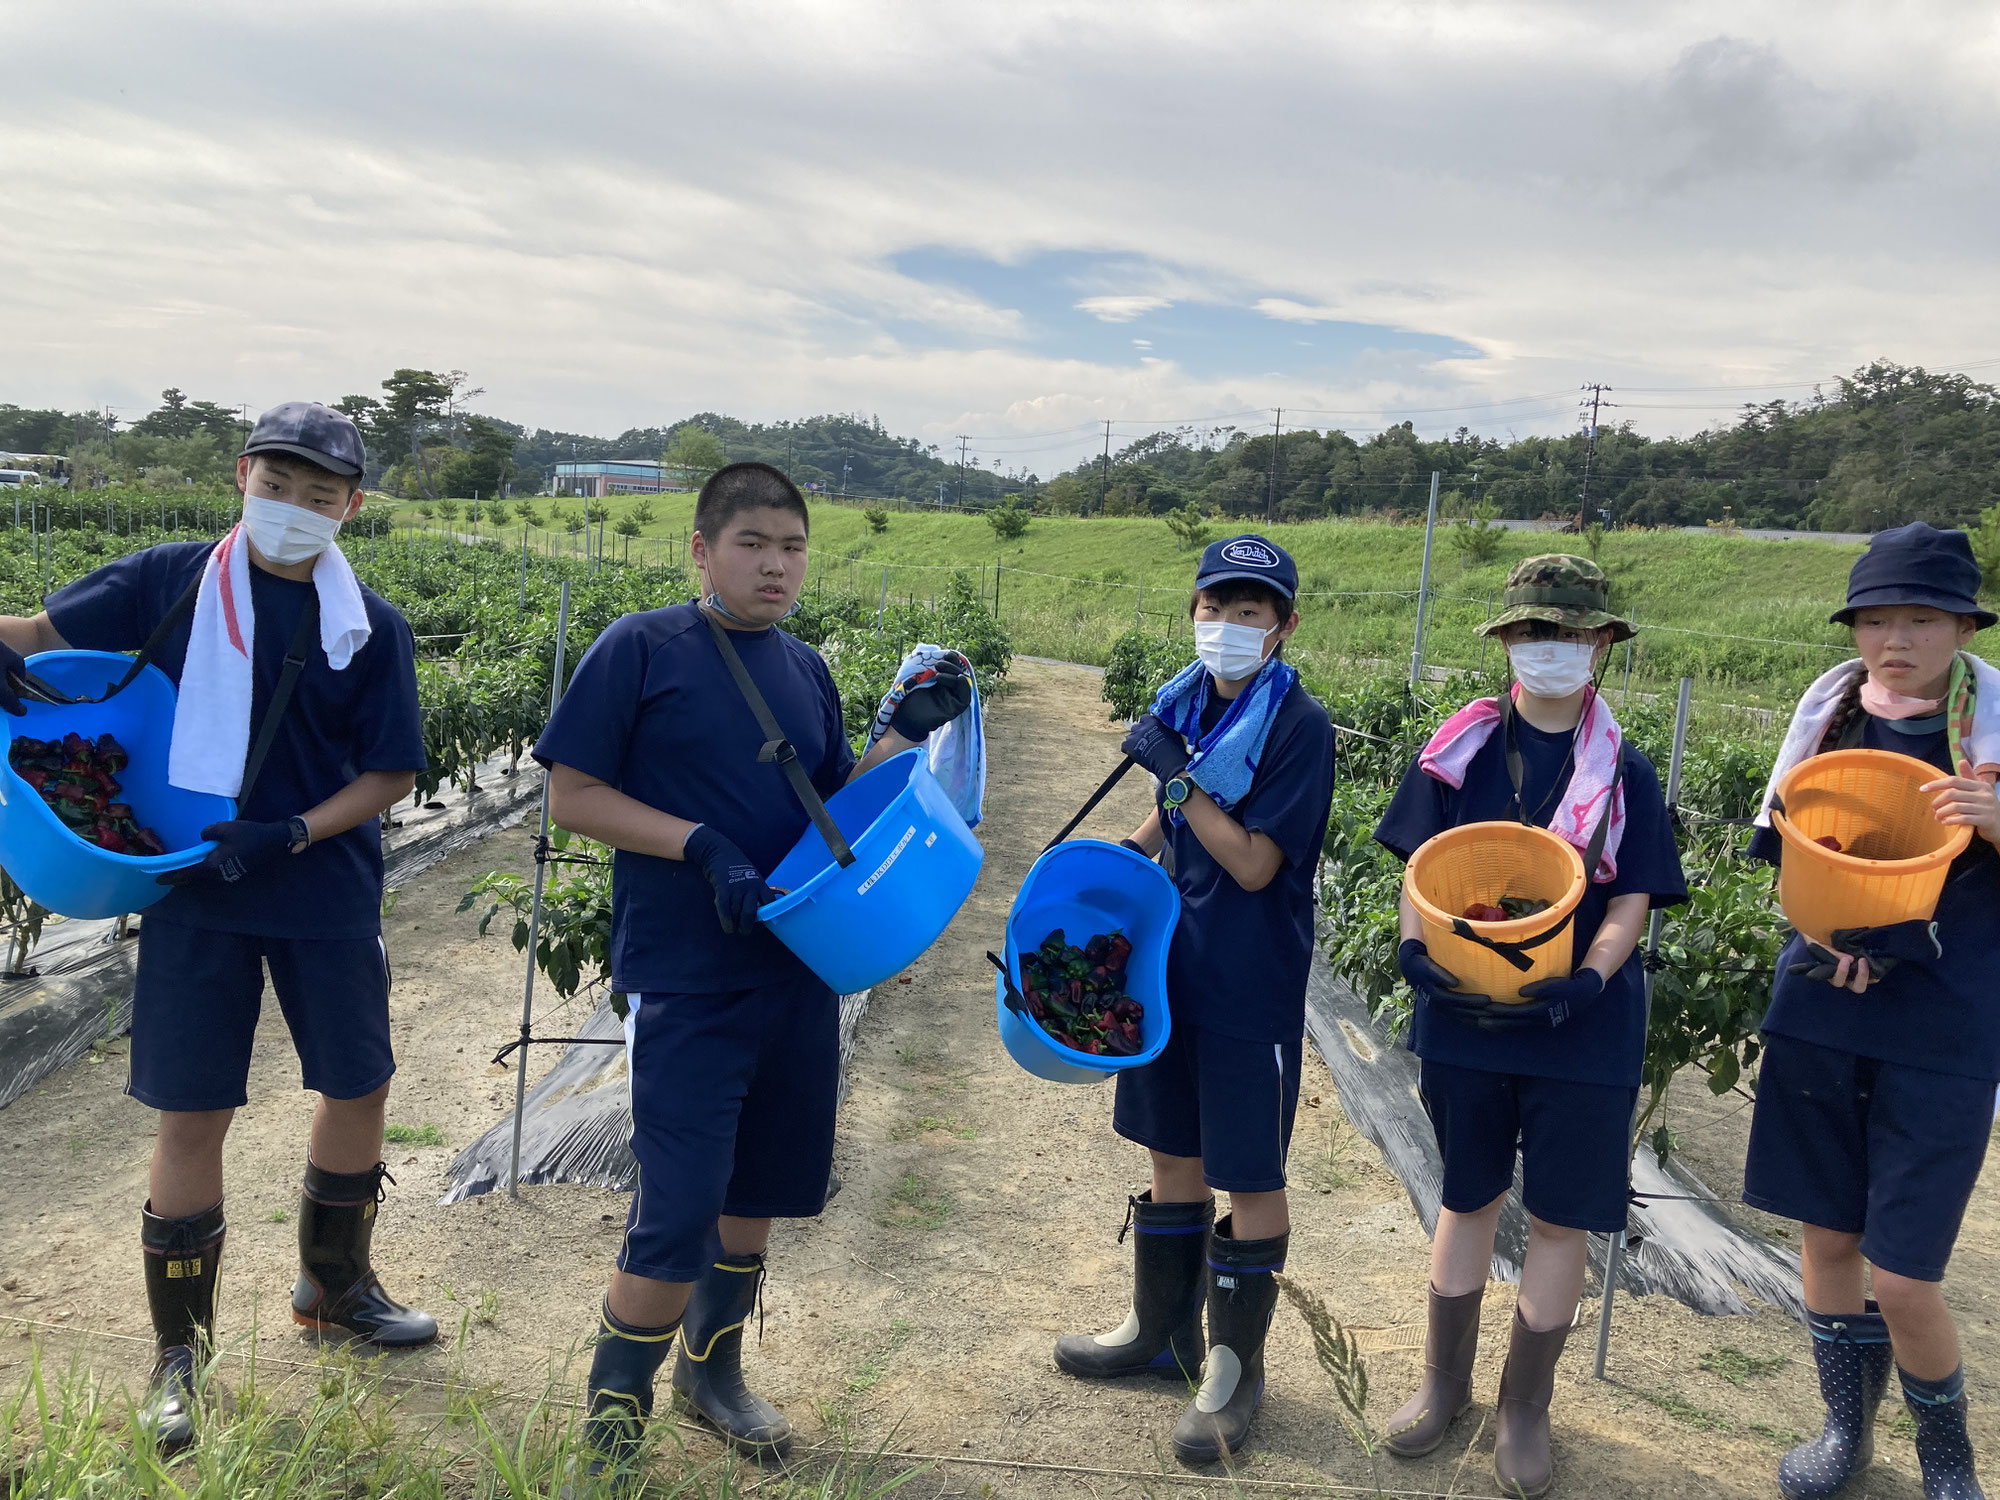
[1563,590]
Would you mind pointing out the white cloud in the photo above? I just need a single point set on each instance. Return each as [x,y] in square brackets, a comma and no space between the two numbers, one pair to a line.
[619,211]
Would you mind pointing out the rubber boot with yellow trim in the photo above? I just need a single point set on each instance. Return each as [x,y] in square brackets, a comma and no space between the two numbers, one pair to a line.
[183,1262]
[620,1399]
[337,1287]
[708,1373]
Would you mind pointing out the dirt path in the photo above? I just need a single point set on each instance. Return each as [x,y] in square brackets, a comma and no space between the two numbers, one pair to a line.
[978,1221]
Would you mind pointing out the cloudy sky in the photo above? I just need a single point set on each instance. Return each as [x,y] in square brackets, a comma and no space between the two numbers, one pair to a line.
[1012,220]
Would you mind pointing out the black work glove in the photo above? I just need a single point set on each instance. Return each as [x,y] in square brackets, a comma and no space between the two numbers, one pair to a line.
[1156,747]
[1438,987]
[1554,1001]
[240,847]
[1884,947]
[937,695]
[739,888]
[1135,846]
[12,665]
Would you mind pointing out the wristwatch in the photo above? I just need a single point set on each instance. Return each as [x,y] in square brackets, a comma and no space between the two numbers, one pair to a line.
[1177,790]
[301,835]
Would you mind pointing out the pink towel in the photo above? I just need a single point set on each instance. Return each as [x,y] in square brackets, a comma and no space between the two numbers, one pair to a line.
[1598,746]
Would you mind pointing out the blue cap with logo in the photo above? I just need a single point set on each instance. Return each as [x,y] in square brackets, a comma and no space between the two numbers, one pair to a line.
[1249,557]
[311,431]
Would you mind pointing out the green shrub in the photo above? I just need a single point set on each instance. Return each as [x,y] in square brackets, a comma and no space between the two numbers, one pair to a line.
[1009,521]
[1139,665]
[877,519]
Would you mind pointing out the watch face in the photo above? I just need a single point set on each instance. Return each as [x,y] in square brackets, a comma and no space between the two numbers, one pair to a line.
[1176,791]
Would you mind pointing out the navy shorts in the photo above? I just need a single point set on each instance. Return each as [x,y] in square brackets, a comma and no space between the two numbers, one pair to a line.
[1574,1140]
[198,994]
[733,1097]
[1225,1100]
[1878,1149]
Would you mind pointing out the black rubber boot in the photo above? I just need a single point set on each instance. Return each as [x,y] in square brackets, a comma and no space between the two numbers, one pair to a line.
[1851,1352]
[708,1371]
[1944,1450]
[620,1399]
[337,1287]
[1161,1335]
[183,1261]
[1242,1295]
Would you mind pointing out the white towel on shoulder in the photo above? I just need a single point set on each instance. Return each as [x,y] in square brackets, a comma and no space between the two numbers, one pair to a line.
[212,722]
[1815,712]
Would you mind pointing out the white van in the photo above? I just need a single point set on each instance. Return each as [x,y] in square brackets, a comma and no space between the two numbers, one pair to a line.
[18,479]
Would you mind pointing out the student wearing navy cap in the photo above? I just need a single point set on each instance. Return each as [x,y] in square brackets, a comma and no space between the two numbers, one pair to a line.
[1244,759]
[1875,1091]
[294,882]
[1559,1074]
[734,1043]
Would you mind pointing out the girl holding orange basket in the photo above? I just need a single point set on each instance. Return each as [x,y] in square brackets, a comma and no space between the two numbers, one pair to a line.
[1875,1094]
[1554,1077]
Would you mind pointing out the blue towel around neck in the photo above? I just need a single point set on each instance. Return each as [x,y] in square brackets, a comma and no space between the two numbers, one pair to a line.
[1225,762]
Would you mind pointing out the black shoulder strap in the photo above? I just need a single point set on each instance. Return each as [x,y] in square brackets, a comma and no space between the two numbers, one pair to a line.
[1603,829]
[181,609]
[281,696]
[776,747]
[1096,797]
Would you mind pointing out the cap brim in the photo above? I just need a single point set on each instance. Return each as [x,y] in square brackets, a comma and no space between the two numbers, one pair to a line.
[1891,597]
[326,461]
[1264,578]
[1621,629]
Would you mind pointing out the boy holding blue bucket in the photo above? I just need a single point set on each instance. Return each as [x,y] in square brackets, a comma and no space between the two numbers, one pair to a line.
[294,882]
[733,1041]
[1244,759]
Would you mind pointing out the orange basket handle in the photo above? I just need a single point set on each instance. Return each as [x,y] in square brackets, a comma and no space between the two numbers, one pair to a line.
[1514,953]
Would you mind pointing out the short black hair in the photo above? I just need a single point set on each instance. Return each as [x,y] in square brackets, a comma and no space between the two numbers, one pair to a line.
[1228,591]
[299,460]
[735,488]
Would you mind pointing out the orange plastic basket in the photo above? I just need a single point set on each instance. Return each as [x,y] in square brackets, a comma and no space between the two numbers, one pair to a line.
[1894,852]
[1477,864]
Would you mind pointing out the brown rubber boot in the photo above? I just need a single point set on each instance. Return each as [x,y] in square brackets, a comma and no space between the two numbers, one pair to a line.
[1452,1339]
[1521,1460]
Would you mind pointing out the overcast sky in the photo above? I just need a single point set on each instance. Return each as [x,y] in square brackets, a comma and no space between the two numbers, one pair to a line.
[1010,220]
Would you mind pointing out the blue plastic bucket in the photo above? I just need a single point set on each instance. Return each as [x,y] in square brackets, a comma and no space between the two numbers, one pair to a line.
[1085,887]
[53,865]
[915,862]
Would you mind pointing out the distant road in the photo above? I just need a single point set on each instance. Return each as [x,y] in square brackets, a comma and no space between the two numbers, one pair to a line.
[1760,533]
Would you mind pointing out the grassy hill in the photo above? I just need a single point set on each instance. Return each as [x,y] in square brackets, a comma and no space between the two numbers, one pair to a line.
[1746,617]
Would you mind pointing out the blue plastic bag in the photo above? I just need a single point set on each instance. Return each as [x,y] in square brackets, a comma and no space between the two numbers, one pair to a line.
[956,751]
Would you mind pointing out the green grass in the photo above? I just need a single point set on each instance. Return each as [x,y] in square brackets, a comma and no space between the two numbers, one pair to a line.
[1685,1411]
[1738,1368]
[915,1202]
[876,1365]
[1706,605]
[413,1135]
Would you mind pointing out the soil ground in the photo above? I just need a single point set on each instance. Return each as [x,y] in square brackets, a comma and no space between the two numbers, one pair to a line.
[978,1221]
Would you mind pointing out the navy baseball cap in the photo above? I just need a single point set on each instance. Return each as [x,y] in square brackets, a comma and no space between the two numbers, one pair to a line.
[1916,564]
[1249,557]
[316,433]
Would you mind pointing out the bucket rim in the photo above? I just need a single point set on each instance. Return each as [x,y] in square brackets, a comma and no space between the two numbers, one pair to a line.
[147,864]
[1072,845]
[1514,928]
[1884,760]
[799,895]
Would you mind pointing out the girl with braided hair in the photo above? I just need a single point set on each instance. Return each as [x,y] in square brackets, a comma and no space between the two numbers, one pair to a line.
[1876,1088]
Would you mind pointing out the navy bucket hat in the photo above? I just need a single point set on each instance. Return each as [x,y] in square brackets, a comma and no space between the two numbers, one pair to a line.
[1919,565]
[1249,557]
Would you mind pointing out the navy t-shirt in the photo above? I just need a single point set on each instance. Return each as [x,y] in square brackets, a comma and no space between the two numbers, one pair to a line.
[1239,958]
[338,725]
[1607,1043]
[653,711]
[1943,1016]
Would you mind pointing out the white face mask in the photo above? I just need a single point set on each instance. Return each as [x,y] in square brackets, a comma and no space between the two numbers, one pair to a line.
[287,534]
[1231,652]
[1553,669]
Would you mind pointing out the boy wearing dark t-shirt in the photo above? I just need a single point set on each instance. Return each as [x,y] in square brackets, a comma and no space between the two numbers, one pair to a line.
[734,1045]
[294,883]
[1244,758]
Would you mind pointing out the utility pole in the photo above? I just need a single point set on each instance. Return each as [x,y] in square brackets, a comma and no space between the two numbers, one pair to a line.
[1590,450]
[963,439]
[1277,431]
[1104,474]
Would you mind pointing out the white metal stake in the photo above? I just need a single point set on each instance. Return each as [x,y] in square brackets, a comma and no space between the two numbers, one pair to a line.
[535,912]
[1614,1253]
[1424,584]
